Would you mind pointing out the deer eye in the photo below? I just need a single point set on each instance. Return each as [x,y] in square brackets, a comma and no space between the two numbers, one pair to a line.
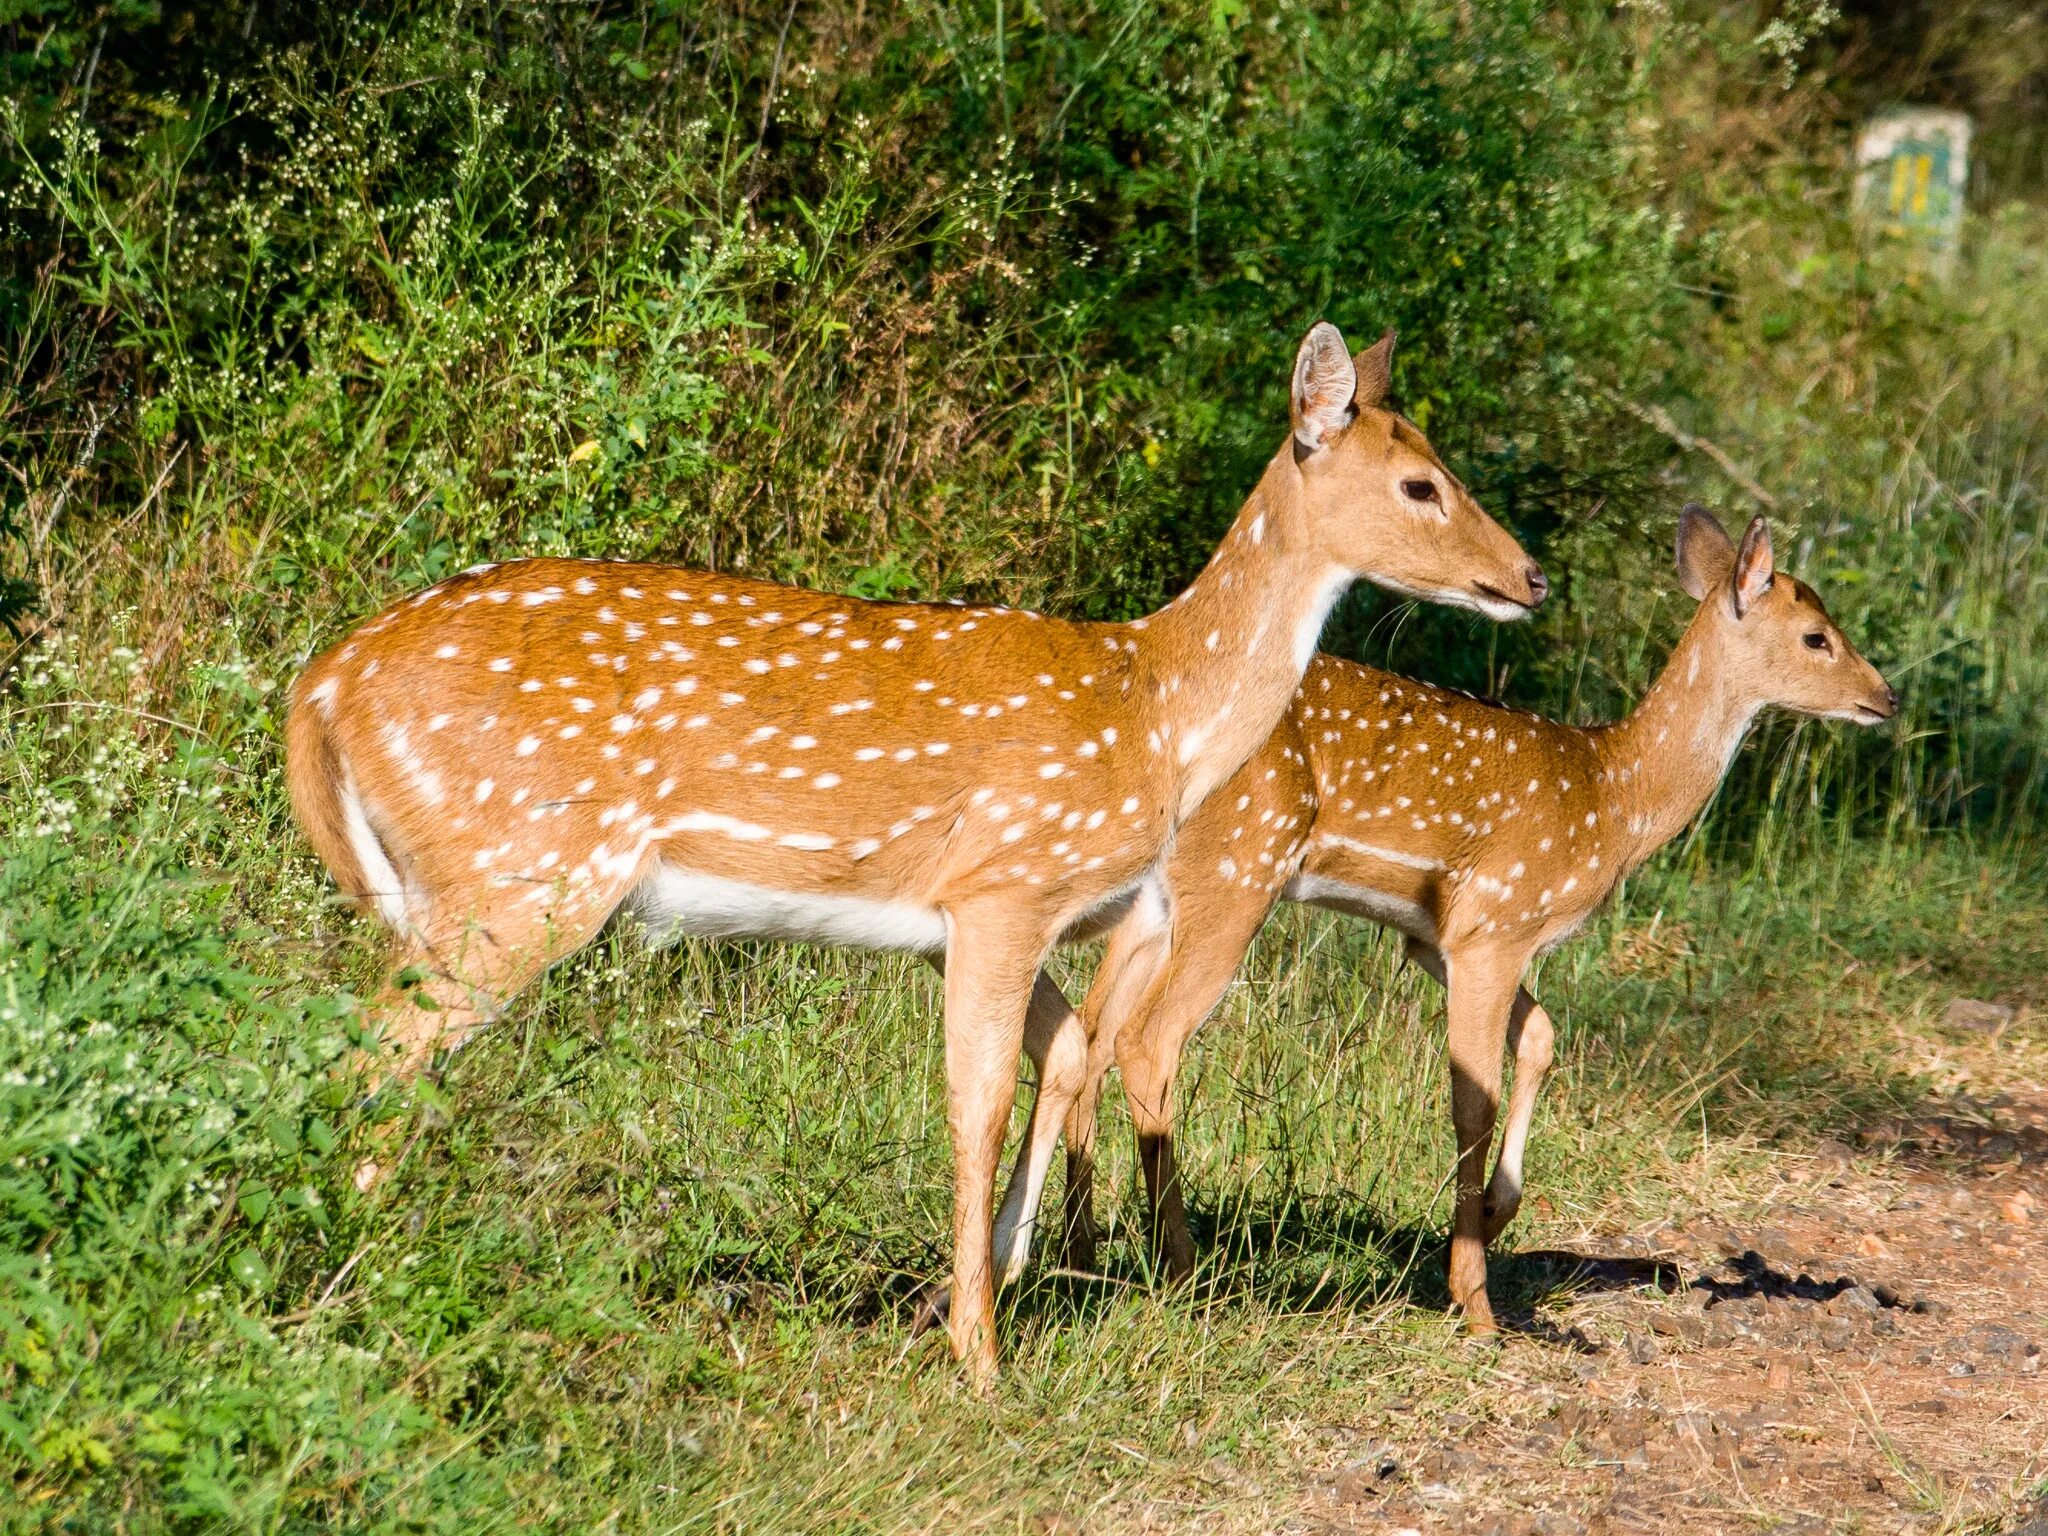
[1817,641]
[1419,490]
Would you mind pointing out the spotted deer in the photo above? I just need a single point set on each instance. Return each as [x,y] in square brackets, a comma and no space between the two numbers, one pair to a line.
[1485,835]
[504,763]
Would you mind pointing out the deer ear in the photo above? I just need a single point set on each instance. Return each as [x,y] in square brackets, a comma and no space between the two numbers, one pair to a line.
[1753,567]
[1375,367]
[1706,555]
[1324,382]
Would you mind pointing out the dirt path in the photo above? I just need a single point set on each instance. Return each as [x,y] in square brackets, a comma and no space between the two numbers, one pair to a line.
[1860,1351]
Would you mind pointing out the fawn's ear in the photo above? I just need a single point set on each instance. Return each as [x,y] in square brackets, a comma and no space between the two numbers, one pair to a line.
[1375,369]
[1753,566]
[1706,555]
[1324,382]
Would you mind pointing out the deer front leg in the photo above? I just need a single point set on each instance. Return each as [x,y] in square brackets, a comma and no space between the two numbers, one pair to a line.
[1482,989]
[991,973]
[1190,978]
[1533,1041]
[1137,954]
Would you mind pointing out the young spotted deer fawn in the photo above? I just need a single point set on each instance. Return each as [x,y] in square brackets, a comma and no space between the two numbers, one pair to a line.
[505,762]
[1486,835]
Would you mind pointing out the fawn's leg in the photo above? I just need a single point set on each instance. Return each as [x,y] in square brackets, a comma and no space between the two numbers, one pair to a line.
[1533,1041]
[1482,992]
[991,972]
[1208,943]
[1138,955]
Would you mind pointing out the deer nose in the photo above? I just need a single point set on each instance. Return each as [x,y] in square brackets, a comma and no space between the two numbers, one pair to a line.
[1891,699]
[1539,584]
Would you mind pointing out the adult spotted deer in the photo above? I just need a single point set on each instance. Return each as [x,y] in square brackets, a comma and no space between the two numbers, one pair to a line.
[502,764]
[1486,835]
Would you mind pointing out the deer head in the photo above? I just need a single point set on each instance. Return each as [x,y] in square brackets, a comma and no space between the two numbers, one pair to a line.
[1769,632]
[1382,501]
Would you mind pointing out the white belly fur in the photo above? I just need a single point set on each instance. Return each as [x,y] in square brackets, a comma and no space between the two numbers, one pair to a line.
[672,902]
[1363,901]
[1115,907]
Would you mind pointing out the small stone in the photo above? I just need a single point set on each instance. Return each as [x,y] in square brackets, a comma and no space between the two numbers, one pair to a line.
[1886,1296]
[1995,1341]
[366,1175]
[1837,1334]
[1368,1476]
[1642,1348]
[1927,1306]
[1871,1246]
[1778,1379]
[2018,1208]
[1683,1326]
[1962,1368]
[1857,1300]
[1976,1015]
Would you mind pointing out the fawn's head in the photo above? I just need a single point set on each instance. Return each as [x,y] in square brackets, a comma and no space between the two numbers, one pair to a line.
[1772,634]
[1381,500]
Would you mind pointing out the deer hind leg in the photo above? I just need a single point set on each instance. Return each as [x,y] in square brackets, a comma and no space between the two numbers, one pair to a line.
[1482,993]
[457,975]
[991,974]
[1058,1048]
[1533,1041]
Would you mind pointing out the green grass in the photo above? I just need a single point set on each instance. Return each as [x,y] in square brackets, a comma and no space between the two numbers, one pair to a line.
[647,1254]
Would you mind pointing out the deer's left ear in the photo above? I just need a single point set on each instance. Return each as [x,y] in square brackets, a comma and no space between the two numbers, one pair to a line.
[1753,567]
[1375,369]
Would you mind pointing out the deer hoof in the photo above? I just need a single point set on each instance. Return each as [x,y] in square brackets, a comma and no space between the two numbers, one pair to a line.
[1499,1215]
[933,1307]
[1479,1322]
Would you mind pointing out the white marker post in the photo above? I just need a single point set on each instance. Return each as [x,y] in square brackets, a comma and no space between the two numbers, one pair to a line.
[1912,165]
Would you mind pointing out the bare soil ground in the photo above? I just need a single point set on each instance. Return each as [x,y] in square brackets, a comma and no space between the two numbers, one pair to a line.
[1856,1349]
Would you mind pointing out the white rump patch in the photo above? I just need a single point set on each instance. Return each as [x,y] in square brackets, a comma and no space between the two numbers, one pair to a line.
[381,883]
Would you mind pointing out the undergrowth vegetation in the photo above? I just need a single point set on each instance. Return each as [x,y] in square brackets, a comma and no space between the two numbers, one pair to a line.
[302,309]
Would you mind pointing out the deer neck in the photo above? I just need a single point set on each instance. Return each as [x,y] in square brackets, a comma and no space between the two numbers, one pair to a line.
[1666,760]
[1220,664]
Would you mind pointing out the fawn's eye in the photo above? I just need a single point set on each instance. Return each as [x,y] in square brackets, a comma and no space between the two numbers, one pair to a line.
[1816,641]
[1419,490]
